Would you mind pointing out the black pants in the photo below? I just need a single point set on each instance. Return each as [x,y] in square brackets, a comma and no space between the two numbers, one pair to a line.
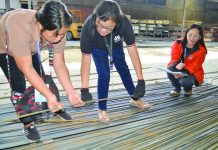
[18,83]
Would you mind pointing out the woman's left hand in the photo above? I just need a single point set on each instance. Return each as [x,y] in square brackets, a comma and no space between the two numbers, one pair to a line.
[75,100]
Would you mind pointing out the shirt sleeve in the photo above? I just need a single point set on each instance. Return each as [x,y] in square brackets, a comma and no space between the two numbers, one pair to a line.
[86,37]
[176,50]
[59,47]
[127,31]
[18,37]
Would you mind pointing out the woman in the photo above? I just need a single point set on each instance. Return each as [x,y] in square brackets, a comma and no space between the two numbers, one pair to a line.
[21,30]
[187,56]
[101,37]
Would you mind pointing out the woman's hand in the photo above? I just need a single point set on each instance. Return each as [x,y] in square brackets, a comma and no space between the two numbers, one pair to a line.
[177,76]
[53,104]
[180,66]
[75,100]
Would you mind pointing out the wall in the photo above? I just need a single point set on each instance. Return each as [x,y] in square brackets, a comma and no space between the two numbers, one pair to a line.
[13,4]
[195,9]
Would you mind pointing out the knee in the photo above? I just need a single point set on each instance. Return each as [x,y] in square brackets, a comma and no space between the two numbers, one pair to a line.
[104,77]
[170,76]
[185,83]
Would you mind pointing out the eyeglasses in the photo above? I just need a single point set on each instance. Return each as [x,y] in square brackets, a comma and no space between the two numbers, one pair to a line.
[100,27]
[193,36]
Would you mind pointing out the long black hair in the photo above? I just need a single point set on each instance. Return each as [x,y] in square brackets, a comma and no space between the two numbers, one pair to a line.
[53,15]
[201,33]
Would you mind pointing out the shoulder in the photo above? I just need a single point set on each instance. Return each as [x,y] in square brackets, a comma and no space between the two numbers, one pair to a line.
[179,41]
[124,21]
[124,18]
[21,15]
[20,19]
[176,43]
[89,21]
[87,26]
[202,48]
[124,26]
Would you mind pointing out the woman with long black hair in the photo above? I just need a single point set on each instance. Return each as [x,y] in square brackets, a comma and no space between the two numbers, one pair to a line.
[23,33]
[187,56]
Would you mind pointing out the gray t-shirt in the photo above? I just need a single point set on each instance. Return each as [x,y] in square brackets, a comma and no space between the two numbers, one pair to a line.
[23,32]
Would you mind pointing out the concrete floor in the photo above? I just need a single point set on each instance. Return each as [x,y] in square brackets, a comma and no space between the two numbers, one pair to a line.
[170,123]
[165,115]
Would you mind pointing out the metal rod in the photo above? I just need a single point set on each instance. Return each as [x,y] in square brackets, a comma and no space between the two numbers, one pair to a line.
[183,17]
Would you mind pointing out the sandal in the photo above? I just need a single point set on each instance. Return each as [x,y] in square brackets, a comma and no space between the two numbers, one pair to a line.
[174,93]
[103,117]
[139,104]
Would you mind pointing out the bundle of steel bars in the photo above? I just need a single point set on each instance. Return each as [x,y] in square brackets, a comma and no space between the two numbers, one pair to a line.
[170,123]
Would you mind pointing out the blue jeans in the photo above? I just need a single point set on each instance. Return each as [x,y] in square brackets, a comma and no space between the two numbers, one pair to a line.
[186,82]
[103,70]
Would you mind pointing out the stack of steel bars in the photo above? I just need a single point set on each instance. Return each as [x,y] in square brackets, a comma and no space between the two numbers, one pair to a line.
[170,123]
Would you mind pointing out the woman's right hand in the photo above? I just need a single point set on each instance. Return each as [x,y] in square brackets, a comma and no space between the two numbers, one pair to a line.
[180,66]
[53,104]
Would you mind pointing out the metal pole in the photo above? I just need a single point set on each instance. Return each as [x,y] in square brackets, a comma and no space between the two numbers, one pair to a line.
[35,4]
[29,4]
[7,5]
[183,17]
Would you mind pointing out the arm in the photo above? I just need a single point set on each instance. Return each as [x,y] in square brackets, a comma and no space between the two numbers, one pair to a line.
[134,55]
[176,51]
[129,38]
[128,35]
[85,70]
[140,87]
[24,63]
[86,42]
[64,78]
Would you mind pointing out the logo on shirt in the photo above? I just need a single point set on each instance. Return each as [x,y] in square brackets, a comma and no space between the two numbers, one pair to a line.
[117,39]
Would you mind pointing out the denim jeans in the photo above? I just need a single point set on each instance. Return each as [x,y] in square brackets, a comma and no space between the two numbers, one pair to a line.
[103,70]
[186,82]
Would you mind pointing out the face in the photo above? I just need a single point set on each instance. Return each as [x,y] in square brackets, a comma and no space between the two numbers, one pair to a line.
[193,37]
[105,27]
[53,36]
